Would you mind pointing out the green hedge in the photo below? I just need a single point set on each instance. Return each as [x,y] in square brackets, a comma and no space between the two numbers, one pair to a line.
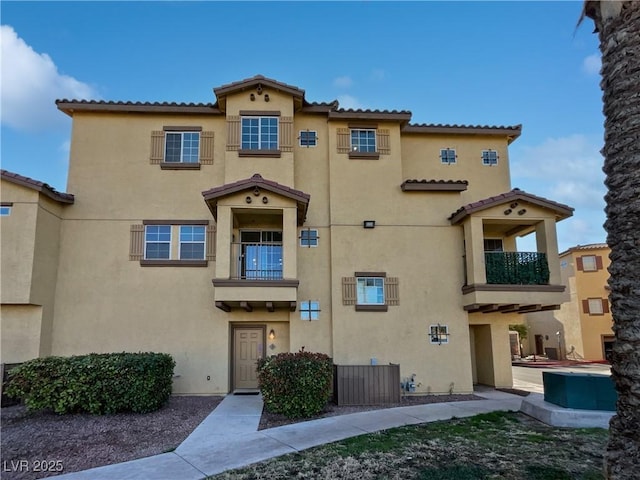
[296,385]
[95,383]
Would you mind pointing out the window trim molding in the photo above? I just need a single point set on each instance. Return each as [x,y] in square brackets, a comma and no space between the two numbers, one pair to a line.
[180,165]
[174,263]
[364,155]
[246,152]
[178,128]
[175,222]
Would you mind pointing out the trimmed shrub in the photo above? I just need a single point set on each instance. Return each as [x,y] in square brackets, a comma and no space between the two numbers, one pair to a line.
[296,385]
[95,383]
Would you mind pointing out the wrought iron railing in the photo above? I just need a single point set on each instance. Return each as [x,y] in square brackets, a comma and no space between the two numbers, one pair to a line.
[256,261]
[517,268]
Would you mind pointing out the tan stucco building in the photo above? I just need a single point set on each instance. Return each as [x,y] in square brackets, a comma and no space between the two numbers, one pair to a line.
[264,223]
[582,328]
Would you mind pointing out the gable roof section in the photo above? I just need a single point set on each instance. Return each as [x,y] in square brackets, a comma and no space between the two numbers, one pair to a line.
[38,186]
[563,211]
[249,83]
[212,195]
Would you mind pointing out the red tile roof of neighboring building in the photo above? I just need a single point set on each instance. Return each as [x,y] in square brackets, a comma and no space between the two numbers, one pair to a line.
[591,246]
[41,187]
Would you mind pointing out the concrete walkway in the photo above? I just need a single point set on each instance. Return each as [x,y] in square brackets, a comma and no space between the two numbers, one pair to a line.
[228,437]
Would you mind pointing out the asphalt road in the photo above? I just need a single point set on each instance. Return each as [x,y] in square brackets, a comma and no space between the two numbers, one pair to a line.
[530,378]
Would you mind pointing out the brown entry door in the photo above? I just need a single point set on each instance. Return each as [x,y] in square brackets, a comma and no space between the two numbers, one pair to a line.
[248,347]
[539,345]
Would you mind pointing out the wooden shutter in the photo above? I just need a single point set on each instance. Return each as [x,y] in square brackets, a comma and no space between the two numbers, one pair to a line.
[579,266]
[211,242]
[598,262]
[391,291]
[344,140]
[286,134]
[136,242]
[206,148]
[349,296]
[157,147]
[233,132]
[605,305]
[585,306]
[383,142]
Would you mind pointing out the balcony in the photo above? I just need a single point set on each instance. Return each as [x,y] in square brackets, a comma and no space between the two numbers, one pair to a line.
[516,268]
[256,261]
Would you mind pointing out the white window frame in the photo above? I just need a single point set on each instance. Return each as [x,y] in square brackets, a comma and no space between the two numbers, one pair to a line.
[595,306]
[489,158]
[147,242]
[182,147]
[182,242]
[448,156]
[438,334]
[5,211]
[357,147]
[314,138]
[587,266]
[361,296]
[310,310]
[262,144]
[309,239]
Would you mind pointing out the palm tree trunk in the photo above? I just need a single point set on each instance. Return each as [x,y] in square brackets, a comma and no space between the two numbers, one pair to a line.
[618,26]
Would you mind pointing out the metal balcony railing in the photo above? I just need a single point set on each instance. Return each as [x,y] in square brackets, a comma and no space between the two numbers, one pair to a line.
[517,268]
[256,261]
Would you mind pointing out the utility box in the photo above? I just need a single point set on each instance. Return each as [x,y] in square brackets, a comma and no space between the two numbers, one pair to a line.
[583,391]
[366,384]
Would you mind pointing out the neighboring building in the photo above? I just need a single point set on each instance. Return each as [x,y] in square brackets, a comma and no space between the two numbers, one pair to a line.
[349,232]
[582,328]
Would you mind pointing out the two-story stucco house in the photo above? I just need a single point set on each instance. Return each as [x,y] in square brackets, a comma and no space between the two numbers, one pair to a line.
[264,223]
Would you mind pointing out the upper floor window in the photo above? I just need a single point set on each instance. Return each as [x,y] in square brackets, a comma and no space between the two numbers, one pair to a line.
[309,238]
[178,243]
[5,211]
[182,147]
[309,310]
[363,140]
[259,133]
[589,263]
[157,242]
[493,245]
[192,242]
[448,156]
[370,290]
[489,157]
[308,138]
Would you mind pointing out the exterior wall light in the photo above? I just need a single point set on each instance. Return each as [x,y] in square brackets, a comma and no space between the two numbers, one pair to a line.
[272,334]
[369,224]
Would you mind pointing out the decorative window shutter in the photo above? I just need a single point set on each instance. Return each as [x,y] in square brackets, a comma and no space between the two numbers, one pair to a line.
[349,296]
[233,132]
[585,306]
[286,134]
[579,266]
[383,141]
[136,242]
[391,291]
[206,148]
[605,305]
[344,140]
[157,147]
[211,242]
[598,262]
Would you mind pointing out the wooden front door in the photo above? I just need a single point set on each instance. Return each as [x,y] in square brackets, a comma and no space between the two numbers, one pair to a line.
[539,344]
[248,347]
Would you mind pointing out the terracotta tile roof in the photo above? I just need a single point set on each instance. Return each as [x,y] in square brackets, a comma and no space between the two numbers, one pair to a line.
[513,131]
[434,185]
[70,106]
[41,187]
[591,246]
[250,82]
[564,211]
[359,114]
[212,195]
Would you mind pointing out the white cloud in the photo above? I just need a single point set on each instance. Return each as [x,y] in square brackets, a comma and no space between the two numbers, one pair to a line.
[343,82]
[31,83]
[347,101]
[591,64]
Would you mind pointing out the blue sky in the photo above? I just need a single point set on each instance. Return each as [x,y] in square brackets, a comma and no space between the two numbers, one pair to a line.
[472,63]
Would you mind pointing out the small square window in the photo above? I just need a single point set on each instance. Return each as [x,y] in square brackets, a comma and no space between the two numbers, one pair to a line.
[595,306]
[182,147]
[589,263]
[308,138]
[489,157]
[439,334]
[309,238]
[448,156]
[5,211]
[309,310]
[363,140]
[370,290]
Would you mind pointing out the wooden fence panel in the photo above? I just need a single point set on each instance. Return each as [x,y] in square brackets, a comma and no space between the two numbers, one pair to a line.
[367,384]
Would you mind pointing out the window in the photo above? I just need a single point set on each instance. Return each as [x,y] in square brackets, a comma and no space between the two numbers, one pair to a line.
[493,245]
[259,133]
[192,242]
[157,242]
[439,334]
[589,263]
[370,291]
[448,156]
[595,306]
[309,238]
[5,211]
[259,256]
[182,147]
[308,138]
[489,157]
[363,141]
[309,310]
